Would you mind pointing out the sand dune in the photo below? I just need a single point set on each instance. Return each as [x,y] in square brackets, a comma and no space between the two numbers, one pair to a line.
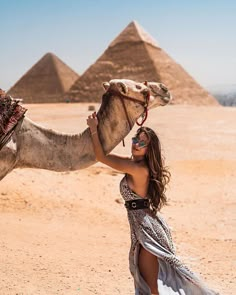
[67,233]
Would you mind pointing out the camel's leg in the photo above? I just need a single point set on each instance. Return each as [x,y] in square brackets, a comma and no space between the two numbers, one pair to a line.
[148,267]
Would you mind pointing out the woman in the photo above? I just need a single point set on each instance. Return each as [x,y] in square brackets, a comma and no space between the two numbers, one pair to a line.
[153,264]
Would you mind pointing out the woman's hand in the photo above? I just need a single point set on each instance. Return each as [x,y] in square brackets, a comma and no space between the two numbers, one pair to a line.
[92,122]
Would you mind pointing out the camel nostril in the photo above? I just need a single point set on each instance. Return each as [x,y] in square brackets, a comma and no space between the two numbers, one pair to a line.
[163,87]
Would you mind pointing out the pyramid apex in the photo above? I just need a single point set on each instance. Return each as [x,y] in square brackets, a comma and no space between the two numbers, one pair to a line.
[134,33]
[134,22]
[49,54]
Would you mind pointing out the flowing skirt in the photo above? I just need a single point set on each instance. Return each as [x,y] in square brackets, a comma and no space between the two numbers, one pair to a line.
[173,277]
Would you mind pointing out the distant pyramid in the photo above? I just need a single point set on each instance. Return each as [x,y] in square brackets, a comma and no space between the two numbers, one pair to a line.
[47,81]
[135,55]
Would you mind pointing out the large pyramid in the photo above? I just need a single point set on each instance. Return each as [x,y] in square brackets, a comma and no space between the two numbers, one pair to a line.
[135,55]
[47,81]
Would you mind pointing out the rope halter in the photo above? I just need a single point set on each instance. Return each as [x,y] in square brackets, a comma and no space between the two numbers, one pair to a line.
[144,104]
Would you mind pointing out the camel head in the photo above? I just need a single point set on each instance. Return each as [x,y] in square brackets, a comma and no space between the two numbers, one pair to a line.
[151,93]
[134,98]
[124,103]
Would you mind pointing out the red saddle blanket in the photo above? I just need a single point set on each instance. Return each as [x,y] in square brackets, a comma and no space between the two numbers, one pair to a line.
[10,114]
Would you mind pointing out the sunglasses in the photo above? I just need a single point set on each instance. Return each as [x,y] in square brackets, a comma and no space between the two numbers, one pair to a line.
[141,143]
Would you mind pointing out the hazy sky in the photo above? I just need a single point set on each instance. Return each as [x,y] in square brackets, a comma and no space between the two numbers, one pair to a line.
[200,35]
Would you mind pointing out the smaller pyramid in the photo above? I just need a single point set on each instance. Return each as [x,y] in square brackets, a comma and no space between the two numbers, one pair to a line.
[46,82]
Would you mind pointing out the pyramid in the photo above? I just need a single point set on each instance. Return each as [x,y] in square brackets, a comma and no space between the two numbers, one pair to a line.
[47,81]
[135,55]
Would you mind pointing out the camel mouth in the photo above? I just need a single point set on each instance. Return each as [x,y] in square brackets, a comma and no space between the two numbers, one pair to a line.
[160,92]
[167,98]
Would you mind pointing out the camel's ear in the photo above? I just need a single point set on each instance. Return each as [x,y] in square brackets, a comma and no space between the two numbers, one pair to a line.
[106,85]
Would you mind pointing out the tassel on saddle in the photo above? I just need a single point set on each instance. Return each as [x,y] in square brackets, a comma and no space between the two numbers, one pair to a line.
[10,114]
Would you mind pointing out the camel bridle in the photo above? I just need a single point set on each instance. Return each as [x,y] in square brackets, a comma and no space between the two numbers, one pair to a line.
[144,104]
[146,92]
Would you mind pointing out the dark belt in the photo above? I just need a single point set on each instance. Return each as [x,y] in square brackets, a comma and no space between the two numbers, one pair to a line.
[137,204]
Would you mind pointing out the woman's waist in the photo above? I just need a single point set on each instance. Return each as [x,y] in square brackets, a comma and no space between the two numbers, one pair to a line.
[137,204]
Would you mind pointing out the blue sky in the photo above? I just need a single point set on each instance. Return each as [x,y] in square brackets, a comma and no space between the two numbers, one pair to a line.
[199,35]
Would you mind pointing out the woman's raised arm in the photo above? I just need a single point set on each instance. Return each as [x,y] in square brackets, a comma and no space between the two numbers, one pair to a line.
[119,163]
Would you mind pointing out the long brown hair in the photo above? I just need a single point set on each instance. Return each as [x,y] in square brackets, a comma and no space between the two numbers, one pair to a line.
[158,173]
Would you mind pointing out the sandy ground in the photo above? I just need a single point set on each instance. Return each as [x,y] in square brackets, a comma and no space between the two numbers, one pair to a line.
[67,233]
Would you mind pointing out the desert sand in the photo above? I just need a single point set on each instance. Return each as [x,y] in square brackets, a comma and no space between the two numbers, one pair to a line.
[67,233]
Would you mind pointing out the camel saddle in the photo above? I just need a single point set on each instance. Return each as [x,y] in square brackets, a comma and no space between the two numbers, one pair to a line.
[11,112]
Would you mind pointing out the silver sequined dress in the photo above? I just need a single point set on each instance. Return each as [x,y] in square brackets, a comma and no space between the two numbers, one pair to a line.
[152,232]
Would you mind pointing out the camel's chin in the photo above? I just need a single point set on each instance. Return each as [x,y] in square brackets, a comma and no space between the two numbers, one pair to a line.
[161,101]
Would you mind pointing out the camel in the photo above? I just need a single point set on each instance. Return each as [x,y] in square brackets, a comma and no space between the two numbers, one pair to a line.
[123,102]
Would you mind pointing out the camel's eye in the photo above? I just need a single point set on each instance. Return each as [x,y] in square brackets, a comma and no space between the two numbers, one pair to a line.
[138,87]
